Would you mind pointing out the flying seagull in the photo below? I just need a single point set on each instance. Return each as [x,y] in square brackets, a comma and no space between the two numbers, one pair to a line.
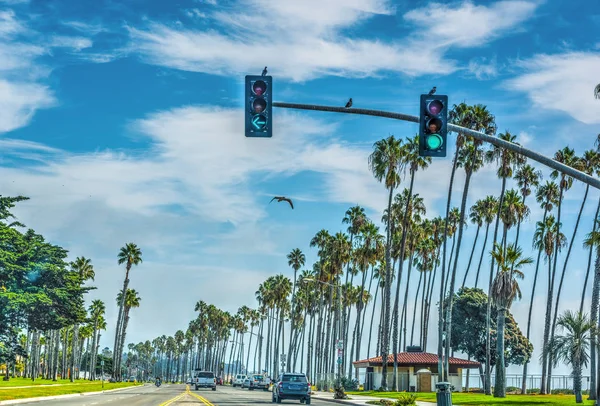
[264,72]
[349,104]
[432,91]
[283,199]
[597,92]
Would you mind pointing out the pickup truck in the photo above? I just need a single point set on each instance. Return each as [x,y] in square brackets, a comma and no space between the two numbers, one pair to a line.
[205,379]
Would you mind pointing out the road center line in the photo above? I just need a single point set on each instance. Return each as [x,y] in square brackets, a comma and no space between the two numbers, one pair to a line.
[175,399]
[200,398]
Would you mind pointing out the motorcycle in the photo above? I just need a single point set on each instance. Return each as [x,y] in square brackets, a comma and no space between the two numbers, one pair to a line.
[157,383]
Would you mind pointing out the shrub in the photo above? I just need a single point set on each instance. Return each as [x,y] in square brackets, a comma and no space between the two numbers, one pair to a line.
[340,393]
[349,384]
[406,399]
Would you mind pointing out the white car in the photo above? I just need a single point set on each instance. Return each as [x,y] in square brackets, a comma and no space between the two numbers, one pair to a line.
[239,380]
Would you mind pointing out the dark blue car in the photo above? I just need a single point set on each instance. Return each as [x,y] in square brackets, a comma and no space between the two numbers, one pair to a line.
[291,386]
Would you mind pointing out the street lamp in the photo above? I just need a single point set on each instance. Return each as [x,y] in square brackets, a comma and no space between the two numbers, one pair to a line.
[338,310]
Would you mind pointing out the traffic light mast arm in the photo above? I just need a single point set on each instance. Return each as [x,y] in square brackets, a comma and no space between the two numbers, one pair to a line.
[585,178]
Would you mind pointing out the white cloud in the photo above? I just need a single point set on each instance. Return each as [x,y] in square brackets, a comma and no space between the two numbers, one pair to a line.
[20,101]
[468,25]
[304,45]
[87,28]
[483,69]
[190,146]
[76,43]
[195,13]
[562,82]
[22,92]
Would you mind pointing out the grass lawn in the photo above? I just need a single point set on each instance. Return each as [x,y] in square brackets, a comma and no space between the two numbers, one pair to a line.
[42,390]
[29,382]
[480,399]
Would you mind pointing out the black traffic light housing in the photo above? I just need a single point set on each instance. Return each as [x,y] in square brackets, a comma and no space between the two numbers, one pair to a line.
[433,125]
[259,106]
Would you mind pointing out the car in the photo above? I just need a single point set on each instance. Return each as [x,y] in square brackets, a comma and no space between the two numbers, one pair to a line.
[257,382]
[239,380]
[205,379]
[291,386]
[220,380]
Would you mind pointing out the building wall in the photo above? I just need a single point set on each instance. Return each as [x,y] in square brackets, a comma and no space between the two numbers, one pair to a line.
[455,378]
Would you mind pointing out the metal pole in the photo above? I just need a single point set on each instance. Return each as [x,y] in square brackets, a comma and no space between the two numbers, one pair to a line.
[587,179]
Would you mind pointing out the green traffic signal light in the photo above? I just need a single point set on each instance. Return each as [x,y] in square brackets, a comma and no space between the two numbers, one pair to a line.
[434,141]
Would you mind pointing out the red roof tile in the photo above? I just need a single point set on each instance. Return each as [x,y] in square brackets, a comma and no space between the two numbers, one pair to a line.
[418,358]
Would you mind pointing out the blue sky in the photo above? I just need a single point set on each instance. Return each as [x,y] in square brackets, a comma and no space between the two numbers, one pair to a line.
[123,122]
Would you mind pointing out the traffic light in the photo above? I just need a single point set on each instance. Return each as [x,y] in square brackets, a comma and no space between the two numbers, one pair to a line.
[433,125]
[259,97]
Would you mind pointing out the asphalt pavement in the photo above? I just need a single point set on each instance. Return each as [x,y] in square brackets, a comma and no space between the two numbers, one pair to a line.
[172,395]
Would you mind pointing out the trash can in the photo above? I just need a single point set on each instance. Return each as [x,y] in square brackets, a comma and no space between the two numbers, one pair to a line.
[443,395]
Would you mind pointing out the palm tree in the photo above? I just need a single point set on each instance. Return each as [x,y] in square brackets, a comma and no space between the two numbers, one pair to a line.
[386,163]
[131,300]
[566,156]
[129,255]
[547,196]
[296,259]
[414,162]
[507,161]
[477,118]
[97,310]
[505,289]
[572,348]
[85,271]
[470,158]
[527,177]
[489,211]
[592,241]
[476,217]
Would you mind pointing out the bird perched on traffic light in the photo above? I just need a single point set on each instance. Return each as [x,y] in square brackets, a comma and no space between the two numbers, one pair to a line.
[264,72]
[349,104]
[283,199]
[597,92]
[432,91]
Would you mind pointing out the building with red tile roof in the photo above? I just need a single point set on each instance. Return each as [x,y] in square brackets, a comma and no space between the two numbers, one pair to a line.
[417,371]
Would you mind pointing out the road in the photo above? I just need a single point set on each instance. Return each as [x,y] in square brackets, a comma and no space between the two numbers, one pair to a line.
[173,395]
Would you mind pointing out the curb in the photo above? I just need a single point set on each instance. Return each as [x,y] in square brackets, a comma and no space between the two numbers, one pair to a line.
[70,395]
[342,401]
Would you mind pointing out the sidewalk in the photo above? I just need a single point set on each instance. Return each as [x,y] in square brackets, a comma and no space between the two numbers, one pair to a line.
[356,399]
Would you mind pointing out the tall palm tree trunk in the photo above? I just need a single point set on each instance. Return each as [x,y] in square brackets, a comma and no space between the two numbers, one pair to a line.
[386,303]
[487,229]
[535,278]
[412,330]
[593,336]
[488,341]
[546,376]
[500,386]
[471,257]
[589,265]
[461,222]
[116,355]
[372,319]
[74,344]
[443,281]
[562,276]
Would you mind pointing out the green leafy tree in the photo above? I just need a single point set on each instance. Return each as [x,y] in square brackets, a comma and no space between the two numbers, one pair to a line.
[469,334]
